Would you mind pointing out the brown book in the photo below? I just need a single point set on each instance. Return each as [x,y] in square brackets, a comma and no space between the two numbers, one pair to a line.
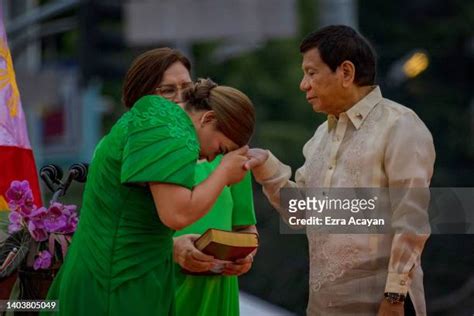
[226,246]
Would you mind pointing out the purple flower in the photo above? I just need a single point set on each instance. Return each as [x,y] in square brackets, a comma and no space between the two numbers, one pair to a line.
[38,213]
[15,222]
[61,219]
[20,198]
[55,224]
[43,261]
[71,224]
[72,219]
[17,190]
[37,230]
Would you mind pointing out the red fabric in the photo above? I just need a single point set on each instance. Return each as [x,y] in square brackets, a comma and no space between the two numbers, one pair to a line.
[18,164]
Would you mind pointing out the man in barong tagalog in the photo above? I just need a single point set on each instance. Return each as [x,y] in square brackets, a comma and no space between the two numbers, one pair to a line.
[367,142]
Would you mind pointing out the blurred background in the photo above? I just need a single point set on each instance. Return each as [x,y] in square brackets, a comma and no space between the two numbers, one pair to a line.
[70,58]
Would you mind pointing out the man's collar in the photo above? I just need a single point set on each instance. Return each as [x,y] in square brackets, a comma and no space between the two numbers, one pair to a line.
[359,111]
[332,122]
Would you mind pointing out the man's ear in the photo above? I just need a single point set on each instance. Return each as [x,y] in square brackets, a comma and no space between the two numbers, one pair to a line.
[208,117]
[348,73]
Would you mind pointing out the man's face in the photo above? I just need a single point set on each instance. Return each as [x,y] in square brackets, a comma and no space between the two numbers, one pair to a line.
[322,86]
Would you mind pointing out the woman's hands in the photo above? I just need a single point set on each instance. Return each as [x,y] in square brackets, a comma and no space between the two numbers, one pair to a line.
[192,259]
[188,256]
[178,206]
[232,165]
[236,163]
[240,266]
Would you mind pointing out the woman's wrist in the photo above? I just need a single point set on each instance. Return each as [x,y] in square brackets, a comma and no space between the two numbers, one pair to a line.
[221,176]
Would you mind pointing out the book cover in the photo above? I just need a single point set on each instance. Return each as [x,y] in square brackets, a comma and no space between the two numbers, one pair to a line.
[227,246]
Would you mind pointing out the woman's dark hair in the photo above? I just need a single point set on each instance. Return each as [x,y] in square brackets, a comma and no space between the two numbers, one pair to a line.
[146,73]
[337,43]
[234,111]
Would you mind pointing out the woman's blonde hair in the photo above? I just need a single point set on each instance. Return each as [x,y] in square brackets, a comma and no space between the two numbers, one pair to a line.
[235,113]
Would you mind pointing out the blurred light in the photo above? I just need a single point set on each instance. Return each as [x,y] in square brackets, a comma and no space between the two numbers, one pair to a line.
[415,64]
[407,67]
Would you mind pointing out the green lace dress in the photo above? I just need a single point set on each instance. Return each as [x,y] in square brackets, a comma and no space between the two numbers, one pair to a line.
[215,295]
[120,259]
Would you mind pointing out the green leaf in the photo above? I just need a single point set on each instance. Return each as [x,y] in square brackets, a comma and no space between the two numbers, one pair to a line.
[4,221]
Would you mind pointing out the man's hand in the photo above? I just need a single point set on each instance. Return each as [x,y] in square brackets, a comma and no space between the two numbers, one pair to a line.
[239,267]
[388,309]
[188,256]
[256,157]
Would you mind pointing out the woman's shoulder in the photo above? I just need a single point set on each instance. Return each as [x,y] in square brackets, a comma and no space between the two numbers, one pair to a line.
[155,110]
[157,104]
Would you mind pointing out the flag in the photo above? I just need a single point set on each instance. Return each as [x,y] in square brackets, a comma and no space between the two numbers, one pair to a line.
[16,157]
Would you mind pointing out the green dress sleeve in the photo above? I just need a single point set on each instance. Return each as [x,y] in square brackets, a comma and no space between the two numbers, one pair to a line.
[161,144]
[243,213]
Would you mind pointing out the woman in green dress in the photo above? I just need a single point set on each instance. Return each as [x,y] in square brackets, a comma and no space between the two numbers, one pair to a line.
[233,210]
[203,295]
[140,189]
